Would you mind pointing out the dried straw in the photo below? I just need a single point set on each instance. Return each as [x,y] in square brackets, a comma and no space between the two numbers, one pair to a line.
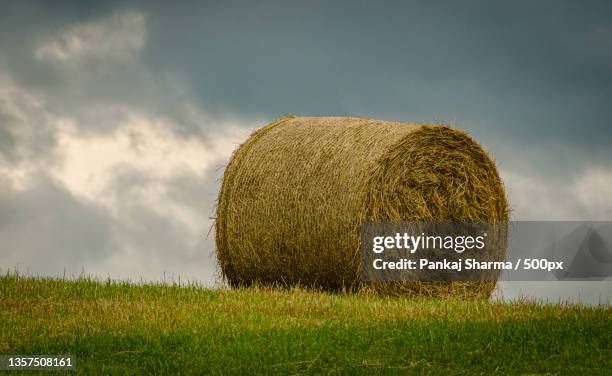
[295,193]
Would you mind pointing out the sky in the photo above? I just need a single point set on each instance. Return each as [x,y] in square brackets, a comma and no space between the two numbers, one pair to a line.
[116,120]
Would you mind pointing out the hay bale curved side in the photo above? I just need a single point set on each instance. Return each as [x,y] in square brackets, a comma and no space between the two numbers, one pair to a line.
[295,193]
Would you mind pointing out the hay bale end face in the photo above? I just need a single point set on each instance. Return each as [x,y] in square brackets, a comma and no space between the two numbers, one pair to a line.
[295,193]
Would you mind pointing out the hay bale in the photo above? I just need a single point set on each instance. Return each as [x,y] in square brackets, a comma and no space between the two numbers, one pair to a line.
[295,193]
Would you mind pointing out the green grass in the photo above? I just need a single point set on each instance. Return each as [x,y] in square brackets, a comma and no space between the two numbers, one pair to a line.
[157,329]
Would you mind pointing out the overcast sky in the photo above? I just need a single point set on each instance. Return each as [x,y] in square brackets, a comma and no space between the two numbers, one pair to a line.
[116,120]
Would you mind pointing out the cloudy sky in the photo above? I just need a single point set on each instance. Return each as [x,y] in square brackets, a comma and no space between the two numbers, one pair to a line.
[116,120]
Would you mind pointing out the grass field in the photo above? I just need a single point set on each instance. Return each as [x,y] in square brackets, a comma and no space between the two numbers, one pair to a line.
[158,329]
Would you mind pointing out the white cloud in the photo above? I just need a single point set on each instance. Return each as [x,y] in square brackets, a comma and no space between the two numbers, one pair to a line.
[143,146]
[593,190]
[142,143]
[586,195]
[144,184]
[118,37]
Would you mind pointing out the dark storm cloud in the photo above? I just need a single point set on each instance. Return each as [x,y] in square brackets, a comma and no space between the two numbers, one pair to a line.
[24,23]
[524,70]
[92,89]
[531,71]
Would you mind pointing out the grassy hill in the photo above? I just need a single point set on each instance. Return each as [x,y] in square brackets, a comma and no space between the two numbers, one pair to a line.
[125,328]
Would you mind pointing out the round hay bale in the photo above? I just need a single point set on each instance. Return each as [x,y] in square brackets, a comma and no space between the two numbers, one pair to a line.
[295,193]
